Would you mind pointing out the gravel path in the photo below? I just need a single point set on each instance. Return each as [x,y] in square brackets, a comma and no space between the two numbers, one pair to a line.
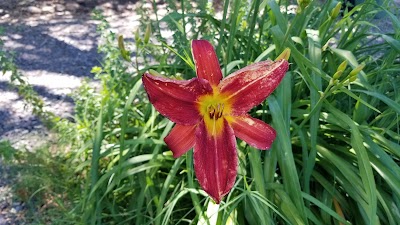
[56,46]
[55,56]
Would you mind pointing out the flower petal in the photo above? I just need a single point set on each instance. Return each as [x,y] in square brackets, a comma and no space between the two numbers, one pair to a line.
[206,61]
[253,131]
[175,99]
[251,85]
[180,139]
[215,160]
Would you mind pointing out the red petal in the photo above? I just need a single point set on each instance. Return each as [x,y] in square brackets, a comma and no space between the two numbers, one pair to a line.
[175,99]
[180,139]
[253,131]
[215,160]
[251,85]
[206,61]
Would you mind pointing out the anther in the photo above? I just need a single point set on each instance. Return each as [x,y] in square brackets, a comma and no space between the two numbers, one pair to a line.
[215,112]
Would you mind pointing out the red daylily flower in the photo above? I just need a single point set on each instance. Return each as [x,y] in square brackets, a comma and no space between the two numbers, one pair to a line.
[210,111]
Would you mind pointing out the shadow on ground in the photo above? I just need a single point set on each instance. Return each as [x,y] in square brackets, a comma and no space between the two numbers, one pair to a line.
[36,49]
[41,90]
[73,7]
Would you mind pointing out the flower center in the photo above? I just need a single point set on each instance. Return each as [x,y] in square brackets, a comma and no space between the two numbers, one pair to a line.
[215,111]
[213,107]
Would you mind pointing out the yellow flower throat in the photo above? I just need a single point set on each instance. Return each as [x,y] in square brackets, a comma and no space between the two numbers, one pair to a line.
[214,108]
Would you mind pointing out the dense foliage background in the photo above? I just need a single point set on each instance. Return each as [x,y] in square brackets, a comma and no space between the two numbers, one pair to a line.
[336,113]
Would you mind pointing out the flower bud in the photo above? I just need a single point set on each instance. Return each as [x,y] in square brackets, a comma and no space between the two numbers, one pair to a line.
[353,78]
[303,3]
[342,66]
[356,70]
[121,45]
[335,11]
[147,34]
[155,73]
[284,55]
[337,75]
[124,53]
[137,36]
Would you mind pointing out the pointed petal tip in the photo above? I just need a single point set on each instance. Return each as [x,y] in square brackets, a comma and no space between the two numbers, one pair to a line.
[206,61]
[252,84]
[284,55]
[254,132]
[215,161]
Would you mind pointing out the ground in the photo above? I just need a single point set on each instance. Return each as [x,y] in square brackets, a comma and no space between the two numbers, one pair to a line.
[55,44]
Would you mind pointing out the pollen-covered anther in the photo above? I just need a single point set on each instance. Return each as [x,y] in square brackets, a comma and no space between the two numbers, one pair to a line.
[215,111]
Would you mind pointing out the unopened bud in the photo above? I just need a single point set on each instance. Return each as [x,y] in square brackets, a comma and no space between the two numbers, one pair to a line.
[121,45]
[335,11]
[353,78]
[337,75]
[356,70]
[244,25]
[155,73]
[137,36]
[147,34]
[124,53]
[342,66]
[284,55]
[303,3]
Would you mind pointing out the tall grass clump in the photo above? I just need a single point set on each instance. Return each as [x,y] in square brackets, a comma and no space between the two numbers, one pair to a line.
[336,113]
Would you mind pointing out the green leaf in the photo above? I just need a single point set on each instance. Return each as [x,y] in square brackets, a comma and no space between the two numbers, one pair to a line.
[394,105]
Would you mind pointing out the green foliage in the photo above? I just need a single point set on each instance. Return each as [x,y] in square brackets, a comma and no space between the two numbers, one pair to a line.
[336,157]
[7,152]
[44,181]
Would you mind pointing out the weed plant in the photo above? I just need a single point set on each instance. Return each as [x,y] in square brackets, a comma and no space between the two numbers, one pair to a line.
[43,183]
[20,83]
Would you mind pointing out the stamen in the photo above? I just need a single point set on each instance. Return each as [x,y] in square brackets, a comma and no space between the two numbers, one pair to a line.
[215,112]
[212,113]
